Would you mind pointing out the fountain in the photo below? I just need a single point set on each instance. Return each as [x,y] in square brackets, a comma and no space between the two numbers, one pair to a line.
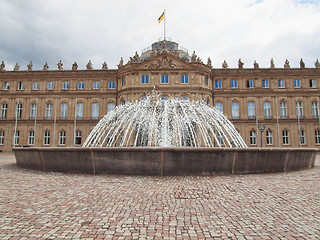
[165,136]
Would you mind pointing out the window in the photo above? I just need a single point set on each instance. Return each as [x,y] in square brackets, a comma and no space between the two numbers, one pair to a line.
[296,83]
[20,85]
[50,85]
[48,111]
[249,83]
[77,140]
[206,80]
[265,83]
[234,83]
[79,111]
[96,85]
[4,108]
[235,110]
[33,111]
[80,85]
[31,138]
[110,107]
[269,137]
[184,78]
[6,86]
[315,110]
[218,84]
[112,85]
[283,110]
[317,135]
[253,138]
[299,109]
[65,85]
[302,138]
[1,137]
[95,111]
[123,81]
[35,86]
[165,79]
[16,137]
[220,138]
[219,107]
[62,138]
[267,110]
[64,111]
[251,110]
[18,111]
[144,79]
[285,137]
[313,83]
[46,137]
[281,83]
[185,100]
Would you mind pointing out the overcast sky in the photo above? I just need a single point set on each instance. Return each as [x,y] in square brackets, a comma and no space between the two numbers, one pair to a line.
[105,30]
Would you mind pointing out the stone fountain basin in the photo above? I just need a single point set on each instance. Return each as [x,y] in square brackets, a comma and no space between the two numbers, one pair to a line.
[166,161]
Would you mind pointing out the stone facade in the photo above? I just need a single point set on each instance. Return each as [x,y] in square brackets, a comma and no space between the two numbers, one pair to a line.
[286,100]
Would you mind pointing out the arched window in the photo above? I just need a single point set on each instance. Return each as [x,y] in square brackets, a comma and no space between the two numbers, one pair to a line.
[77,140]
[269,137]
[62,138]
[46,137]
[253,137]
[235,110]
[31,137]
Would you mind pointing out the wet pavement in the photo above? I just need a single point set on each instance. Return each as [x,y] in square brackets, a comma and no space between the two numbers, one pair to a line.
[48,205]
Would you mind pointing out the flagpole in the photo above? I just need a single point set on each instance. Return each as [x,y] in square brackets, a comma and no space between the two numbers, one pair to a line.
[165,25]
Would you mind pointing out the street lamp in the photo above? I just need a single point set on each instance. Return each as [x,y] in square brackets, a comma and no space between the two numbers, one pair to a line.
[261,128]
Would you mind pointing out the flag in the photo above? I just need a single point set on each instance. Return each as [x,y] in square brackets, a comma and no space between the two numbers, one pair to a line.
[161,17]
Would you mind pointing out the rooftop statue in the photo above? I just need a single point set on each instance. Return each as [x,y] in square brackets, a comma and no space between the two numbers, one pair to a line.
[255,64]
[136,57]
[120,63]
[89,65]
[194,57]
[45,67]
[317,64]
[60,64]
[75,66]
[29,66]
[2,66]
[272,63]
[16,67]
[240,63]
[209,63]
[104,66]
[302,64]
[225,64]
[286,64]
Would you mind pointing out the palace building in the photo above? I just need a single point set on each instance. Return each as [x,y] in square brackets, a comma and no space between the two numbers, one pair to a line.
[59,108]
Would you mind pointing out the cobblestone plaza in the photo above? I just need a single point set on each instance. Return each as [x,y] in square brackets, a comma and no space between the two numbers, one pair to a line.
[42,205]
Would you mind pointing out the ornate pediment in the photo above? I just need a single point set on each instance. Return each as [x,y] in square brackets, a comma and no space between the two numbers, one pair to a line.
[165,62]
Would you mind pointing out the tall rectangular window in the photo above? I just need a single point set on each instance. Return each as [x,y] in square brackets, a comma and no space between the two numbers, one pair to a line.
[4,108]
[281,83]
[77,140]
[80,85]
[79,111]
[283,110]
[1,137]
[265,83]
[31,138]
[220,138]
[95,111]
[46,138]
[111,85]
[33,111]
[96,85]
[251,110]
[65,85]
[267,110]
[315,110]
[164,79]
[285,137]
[6,86]
[313,83]
[269,137]
[218,84]
[296,83]
[64,111]
[16,135]
[110,107]
[235,110]
[206,80]
[20,85]
[184,78]
[35,85]
[253,138]
[219,107]
[62,138]
[234,83]
[299,109]
[249,83]
[144,79]
[50,85]
[48,111]
[302,137]
[18,111]
[317,136]
[123,81]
